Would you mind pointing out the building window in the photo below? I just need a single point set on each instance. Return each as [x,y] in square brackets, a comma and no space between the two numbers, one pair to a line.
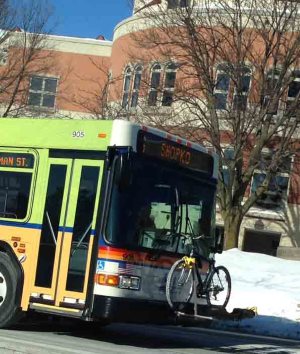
[223,84]
[14,194]
[42,91]
[276,194]
[169,86]
[131,87]
[3,55]
[270,92]
[136,85]
[228,157]
[154,84]
[162,84]
[292,103]
[241,91]
[126,87]
[221,87]
[173,4]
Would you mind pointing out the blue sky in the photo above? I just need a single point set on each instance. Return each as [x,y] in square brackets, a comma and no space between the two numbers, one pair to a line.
[89,18]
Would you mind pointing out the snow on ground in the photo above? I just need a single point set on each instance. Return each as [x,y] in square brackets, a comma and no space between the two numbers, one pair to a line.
[270,284]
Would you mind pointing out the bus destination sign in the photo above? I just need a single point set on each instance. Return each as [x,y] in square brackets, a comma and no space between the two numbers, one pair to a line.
[155,146]
[17,160]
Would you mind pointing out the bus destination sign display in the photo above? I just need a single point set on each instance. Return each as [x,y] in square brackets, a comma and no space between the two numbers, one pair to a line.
[16,160]
[155,146]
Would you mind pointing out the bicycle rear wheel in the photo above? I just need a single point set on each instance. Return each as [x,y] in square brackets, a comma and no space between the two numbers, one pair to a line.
[218,287]
[179,285]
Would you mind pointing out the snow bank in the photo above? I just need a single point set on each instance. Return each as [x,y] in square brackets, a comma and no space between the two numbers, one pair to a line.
[271,285]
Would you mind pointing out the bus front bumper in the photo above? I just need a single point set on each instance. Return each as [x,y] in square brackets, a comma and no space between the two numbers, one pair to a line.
[117,309]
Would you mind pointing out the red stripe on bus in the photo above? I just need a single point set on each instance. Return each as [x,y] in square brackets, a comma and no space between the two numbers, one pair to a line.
[134,256]
[138,257]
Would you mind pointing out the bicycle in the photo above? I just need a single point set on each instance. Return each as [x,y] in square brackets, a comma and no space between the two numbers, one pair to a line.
[186,286]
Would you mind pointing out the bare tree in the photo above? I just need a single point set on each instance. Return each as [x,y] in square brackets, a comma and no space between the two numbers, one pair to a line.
[96,91]
[27,51]
[237,85]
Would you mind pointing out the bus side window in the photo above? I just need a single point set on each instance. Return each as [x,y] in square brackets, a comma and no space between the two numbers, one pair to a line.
[14,194]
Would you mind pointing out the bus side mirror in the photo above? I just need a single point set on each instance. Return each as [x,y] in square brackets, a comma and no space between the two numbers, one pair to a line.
[219,240]
[123,171]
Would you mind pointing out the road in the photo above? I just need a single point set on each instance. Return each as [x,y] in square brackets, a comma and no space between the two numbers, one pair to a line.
[64,338]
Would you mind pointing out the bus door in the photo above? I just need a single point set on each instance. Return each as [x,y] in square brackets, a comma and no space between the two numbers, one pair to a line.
[68,232]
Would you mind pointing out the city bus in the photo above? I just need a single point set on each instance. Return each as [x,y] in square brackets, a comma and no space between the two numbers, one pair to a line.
[91,213]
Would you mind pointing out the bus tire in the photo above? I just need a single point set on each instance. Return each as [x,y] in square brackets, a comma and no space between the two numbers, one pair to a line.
[9,299]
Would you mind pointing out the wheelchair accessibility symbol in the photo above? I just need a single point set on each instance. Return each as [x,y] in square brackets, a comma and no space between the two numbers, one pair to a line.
[100,266]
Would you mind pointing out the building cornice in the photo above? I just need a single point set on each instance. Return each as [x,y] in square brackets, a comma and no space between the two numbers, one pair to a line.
[75,45]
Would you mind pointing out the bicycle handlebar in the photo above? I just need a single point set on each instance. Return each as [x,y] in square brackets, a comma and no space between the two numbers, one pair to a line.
[199,237]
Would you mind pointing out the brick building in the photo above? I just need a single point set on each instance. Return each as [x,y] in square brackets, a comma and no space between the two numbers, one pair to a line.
[88,73]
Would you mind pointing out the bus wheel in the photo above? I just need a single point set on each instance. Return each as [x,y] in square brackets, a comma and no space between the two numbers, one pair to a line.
[9,301]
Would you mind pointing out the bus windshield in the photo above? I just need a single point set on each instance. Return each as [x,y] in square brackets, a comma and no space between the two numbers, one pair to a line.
[160,206]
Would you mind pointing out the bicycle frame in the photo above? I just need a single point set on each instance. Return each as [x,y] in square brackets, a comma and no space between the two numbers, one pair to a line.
[202,284]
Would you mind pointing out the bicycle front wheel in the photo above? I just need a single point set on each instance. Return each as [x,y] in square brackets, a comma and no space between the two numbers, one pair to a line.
[218,287]
[179,285]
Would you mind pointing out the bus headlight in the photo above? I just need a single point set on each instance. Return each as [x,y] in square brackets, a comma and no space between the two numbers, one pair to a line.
[129,282]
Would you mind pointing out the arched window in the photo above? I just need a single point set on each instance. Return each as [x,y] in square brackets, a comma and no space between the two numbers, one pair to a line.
[271,103]
[240,98]
[136,85]
[169,86]
[3,54]
[126,87]
[173,4]
[292,103]
[221,86]
[154,84]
